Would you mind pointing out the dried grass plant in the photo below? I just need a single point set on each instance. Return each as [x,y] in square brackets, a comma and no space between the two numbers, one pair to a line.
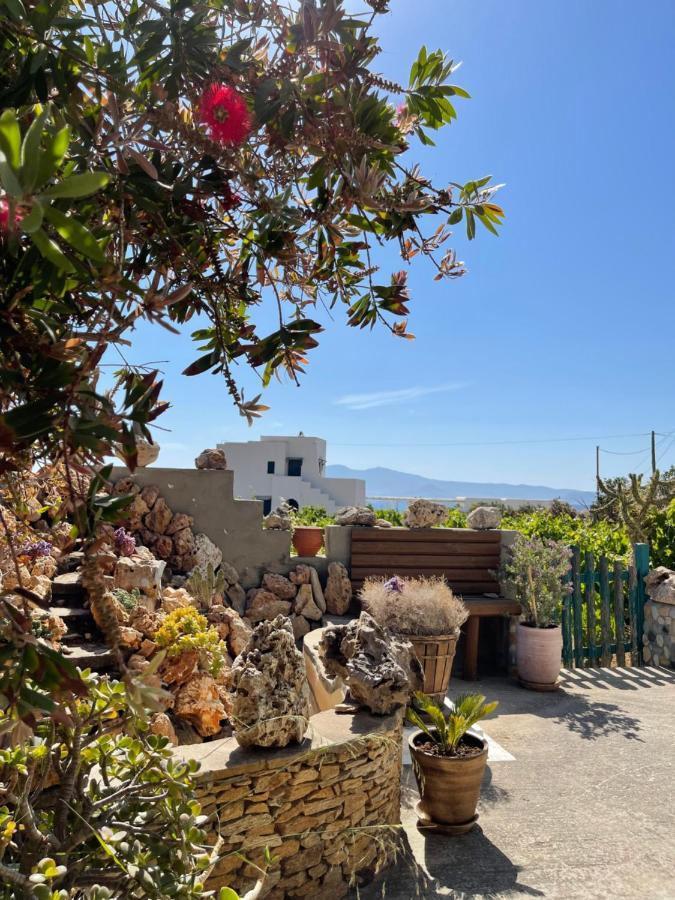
[413,606]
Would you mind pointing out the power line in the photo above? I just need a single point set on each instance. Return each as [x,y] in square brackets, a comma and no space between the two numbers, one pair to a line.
[603,437]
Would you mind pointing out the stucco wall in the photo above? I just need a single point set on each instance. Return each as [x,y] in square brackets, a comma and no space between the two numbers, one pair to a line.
[305,803]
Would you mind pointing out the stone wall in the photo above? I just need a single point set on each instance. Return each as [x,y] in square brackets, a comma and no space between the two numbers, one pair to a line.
[306,804]
[659,634]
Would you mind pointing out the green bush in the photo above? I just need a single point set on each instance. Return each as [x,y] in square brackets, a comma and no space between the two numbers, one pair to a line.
[599,537]
[662,537]
[456,518]
[312,515]
[390,515]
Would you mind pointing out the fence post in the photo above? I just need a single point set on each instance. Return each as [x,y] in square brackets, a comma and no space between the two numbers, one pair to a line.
[641,561]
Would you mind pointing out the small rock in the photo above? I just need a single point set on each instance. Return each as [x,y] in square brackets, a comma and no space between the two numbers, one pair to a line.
[178,522]
[484,517]
[158,518]
[146,576]
[163,547]
[317,590]
[177,669]
[198,702]
[279,585]
[300,627]
[279,519]
[150,495]
[383,523]
[231,628]
[660,584]
[362,516]
[205,552]
[211,458]
[301,574]
[425,514]
[267,606]
[229,573]
[160,724]
[338,593]
[237,597]
[148,648]
[130,638]
[175,598]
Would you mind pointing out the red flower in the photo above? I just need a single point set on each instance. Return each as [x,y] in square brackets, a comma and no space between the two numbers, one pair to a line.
[4,215]
[226,114]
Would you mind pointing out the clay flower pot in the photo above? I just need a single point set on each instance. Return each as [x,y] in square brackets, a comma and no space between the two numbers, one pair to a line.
[538,655]
[307,539]
[436,654]
[449,786]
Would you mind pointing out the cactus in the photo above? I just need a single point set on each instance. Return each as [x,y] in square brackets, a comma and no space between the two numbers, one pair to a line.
[203,585]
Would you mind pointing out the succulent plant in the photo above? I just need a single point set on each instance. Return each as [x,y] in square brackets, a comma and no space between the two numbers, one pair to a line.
[203,585]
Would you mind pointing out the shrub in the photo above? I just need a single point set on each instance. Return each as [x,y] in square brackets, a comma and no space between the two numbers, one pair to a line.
[184,630]
[537,570]
[456,518]
[413,606]
[389,515]
[311,515]
[597,537]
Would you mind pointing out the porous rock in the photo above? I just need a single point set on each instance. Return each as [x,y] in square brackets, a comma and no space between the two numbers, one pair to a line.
[198,702]
[425,514]
[178,522]
[205,552]
[279,585]
[230,626]
[160,724]
[484,517]
[300,574]
[355,515]
[279,519]
[338,593]
[177,669]
[159,517]
[660,584]
[150,495]
[138,573]
[175,598]
[271,696]
[380,669]
[211,458]
[267,605]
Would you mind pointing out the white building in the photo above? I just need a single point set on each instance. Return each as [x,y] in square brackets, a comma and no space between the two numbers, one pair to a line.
[292,469]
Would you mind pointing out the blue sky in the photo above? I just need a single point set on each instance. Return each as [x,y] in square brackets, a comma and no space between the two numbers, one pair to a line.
[563,326]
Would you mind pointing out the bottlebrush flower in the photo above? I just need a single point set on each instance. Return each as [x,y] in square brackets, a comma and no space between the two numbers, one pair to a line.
[225,113]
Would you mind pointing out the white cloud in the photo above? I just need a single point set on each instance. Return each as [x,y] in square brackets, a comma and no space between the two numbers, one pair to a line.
[388,398]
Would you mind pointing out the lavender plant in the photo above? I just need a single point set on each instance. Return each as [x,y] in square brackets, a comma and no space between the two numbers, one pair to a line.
[537,571]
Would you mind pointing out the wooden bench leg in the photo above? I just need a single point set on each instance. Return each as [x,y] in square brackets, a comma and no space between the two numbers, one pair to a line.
[471,648]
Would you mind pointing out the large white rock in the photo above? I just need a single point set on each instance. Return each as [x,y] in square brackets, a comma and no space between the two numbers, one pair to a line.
[660,584]
[143,574]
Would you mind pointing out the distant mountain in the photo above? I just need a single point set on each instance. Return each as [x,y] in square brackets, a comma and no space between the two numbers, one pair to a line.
[381,482]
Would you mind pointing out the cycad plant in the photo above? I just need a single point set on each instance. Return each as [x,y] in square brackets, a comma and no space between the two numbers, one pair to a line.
[448,729]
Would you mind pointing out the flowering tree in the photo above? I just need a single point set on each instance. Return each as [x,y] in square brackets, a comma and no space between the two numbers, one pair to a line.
[160,160]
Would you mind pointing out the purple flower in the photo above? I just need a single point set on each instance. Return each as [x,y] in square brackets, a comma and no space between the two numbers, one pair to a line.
[395,584]
[35,549]
[125,544]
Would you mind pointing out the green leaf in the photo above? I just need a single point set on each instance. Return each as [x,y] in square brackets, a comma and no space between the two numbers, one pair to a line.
[16,9]
[79,185]
[52,155]
[77,235]
[51,251]
[33,220]
[10,138]
[30,152]
[226,893]
[8,177]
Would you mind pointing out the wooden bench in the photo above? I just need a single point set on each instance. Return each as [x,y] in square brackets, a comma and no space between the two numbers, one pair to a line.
[467,559]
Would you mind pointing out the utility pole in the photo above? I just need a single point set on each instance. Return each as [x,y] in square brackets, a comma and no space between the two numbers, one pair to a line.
[597,467]
[653,452]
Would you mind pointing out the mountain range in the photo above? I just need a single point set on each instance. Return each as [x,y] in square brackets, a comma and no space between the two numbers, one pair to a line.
[381,482]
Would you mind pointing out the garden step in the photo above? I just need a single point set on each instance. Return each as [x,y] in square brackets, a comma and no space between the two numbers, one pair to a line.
[90,655]
[76,618]
[71,561]
[68,585]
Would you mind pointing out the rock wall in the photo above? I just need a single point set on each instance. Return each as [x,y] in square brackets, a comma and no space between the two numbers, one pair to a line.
[306,804]
[659,634]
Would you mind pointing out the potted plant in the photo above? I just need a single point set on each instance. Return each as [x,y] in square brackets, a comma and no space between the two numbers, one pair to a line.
[536,572]
[424,611]
[448,760]
[308,529]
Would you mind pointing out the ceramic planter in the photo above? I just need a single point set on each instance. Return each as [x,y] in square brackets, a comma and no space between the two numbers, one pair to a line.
[449,786]
[307,540]
[436,654]
[538,655]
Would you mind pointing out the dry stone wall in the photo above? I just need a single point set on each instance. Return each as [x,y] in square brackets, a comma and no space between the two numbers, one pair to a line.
[306,804]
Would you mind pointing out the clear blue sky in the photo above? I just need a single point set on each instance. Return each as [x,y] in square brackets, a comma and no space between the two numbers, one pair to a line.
[564,325]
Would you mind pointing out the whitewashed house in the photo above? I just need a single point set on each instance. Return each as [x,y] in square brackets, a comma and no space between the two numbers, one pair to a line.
[292,469]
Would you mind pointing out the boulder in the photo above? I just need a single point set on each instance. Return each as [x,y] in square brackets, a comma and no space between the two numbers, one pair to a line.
[304,604]
[270,707]
[211,458]
[205,552]
[142,574]
[355,515]
[301,574]
[177,669]
[317,590]
[484,517]
[425,514]
[231,628]
[198,702]
[279,585]
[660,584]
[267,605]
[381,670]
[338,593]
[237,597]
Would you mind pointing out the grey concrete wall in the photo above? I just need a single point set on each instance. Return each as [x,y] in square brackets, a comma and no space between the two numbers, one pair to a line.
[233,525]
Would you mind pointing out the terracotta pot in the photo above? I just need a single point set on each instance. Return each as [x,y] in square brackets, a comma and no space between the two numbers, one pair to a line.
[449,786]
[308,540]
[436,654]
[538,654]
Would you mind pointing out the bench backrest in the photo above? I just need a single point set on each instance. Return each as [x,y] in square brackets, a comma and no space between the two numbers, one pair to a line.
[467,559]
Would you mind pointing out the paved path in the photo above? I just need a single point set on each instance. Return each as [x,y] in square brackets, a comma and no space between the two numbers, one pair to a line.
[585,809]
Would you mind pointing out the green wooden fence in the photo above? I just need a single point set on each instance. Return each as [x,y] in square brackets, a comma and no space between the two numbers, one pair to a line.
[603,616]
